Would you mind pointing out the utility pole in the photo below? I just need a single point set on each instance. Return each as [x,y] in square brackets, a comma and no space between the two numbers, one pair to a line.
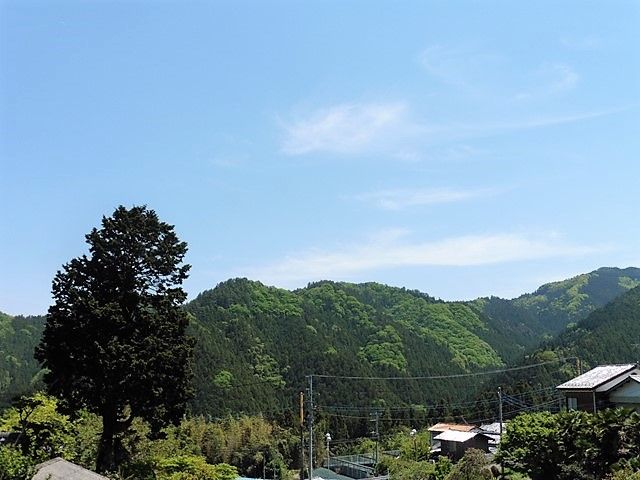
[327,437]
[637,347]
[579,364]
[376,432]
[500,420]
[310,427]
[301,435]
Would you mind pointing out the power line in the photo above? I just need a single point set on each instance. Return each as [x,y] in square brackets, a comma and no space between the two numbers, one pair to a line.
[433,406]
[442,377]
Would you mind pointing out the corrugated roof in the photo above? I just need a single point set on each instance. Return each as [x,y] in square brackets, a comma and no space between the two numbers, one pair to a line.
[455,436]
[597,376]
[326,474]
[443,427]
[492,428]
[60,469]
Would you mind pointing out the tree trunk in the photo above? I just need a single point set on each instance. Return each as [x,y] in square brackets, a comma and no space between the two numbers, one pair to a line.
[106,461]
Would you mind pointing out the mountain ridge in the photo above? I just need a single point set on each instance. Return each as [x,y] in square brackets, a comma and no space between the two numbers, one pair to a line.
[256,343]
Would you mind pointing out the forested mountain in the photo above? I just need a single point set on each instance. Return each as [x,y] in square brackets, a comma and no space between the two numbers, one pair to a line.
[553,306]
[18,370]
[608,335]
[255,344]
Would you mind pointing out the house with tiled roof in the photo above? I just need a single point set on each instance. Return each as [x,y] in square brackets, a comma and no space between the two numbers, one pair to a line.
[604,386]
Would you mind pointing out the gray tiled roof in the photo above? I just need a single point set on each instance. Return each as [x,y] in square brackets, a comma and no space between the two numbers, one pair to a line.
[60,469]
[597,376]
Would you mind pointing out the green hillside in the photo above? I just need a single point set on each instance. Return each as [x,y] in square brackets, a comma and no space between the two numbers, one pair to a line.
[608,335]
[18,370]
[553,306]
[255,344]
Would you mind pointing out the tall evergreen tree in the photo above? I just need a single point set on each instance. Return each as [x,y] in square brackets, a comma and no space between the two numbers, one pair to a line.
[115,340]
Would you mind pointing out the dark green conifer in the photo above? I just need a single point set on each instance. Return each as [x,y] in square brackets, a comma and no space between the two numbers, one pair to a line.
[115,340]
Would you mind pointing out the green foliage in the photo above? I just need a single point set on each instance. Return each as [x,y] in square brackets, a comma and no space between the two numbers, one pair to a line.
[45,432]
[18,369]
[255,344]
[249,444]
[404,469]
[410,470]
[115,340]
[572,445]
[223,379]
[14,465]
[626,473]
[416,447]
[384,349]
[184,467]
[472,466]
[268,339]
[559,303]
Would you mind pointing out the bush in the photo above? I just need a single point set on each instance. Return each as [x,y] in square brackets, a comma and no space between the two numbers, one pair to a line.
[473,466]
[192,467]
[14,465]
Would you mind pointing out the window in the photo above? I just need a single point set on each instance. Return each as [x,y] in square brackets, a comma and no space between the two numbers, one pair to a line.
[572,403]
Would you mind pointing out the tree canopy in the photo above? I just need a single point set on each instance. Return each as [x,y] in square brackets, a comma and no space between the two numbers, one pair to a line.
[115,340]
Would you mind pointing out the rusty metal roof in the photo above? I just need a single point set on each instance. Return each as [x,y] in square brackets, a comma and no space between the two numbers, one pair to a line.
[443,427]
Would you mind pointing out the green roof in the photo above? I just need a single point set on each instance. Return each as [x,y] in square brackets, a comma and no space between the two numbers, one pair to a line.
[327,474]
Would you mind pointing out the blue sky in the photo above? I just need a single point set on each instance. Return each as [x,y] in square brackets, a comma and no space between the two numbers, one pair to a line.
[463,148]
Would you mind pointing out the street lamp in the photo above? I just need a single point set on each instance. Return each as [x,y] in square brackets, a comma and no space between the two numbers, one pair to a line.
[327,437]
[415,450]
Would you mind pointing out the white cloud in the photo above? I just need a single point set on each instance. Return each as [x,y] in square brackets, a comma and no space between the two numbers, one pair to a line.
[345,128]
[398,199]
[551,79]
[390,129]
[565,77]
[388,251]
[460,67]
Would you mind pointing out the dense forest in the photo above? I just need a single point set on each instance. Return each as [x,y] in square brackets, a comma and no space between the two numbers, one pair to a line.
[255,344]
[19,371]
[608,335]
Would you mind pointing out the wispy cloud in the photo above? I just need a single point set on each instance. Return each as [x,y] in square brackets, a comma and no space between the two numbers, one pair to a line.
[392,129]
[399,199]
[491,77]
[467,69]
[389,250]
[344,128]
[550,79]
[564,77]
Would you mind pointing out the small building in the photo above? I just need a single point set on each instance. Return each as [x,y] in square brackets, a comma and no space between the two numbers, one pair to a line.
[455,443]
[626,393]
[60,469]
[326,474]
[493,431]
[596,389]
[445,427]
